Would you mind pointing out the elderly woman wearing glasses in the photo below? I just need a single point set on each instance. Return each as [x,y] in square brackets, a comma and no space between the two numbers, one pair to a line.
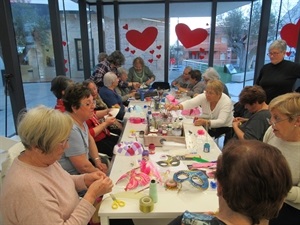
[36,190]
[284,133]
[79,104]
[279,76]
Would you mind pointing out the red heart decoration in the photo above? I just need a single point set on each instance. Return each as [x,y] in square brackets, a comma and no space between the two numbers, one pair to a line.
[158,56]
[290,33]
[125,26]
[132,51]
[193,53]
[150,60]
[66,69]
[127,49]
[65,61]
[158,47]
[202,50]
[64,43]
[188,37]
[142,40]
[288,53]
[201,57]
[152,51]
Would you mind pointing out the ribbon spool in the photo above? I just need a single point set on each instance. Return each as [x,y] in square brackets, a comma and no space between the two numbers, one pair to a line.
[146,204]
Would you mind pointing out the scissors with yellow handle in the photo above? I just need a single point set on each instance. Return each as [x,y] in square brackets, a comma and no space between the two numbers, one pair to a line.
[116,203]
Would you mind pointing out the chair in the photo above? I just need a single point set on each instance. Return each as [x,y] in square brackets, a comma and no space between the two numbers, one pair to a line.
[160,85]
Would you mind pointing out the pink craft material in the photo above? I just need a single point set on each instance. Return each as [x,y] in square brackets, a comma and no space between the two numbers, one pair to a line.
[191,112]
[200,132]
[135,179]
[204,165]
[172,99]
[136,120]
[147,167]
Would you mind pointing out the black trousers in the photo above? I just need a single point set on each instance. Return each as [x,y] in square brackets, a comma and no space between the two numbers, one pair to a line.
[107,145]
[217,132]
[287,215]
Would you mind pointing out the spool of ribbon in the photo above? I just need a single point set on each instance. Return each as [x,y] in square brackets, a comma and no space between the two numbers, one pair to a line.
[146,204]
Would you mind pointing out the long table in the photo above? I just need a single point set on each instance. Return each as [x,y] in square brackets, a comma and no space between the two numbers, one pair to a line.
[170,203]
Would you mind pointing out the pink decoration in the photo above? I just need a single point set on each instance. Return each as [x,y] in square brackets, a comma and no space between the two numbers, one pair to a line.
[290,33]
[172,99]
[158,47]
[142,40]
[191,112]
[150,60]
[125,27]
[152,51]
[158,56]
[200,132]
[127,49]
[188,37]
[132,51]
[135,179]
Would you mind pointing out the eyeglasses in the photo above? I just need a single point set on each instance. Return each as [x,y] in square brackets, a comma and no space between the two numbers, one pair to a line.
[64,143]
[274,123]
[273,53]
[88,104]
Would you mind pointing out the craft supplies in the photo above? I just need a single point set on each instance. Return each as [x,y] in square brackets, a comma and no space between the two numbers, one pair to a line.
[146,204]
[153,191]
[116,203]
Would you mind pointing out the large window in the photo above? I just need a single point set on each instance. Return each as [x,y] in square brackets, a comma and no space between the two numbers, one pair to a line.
[142,34]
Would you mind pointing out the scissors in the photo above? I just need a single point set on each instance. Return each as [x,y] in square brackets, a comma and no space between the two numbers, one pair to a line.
[116,203]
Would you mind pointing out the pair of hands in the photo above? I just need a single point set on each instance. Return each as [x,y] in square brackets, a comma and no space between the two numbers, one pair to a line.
[98,184]
[148,82]
[237,121]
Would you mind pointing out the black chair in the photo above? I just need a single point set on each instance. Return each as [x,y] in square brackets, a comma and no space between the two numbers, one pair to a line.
[160,85]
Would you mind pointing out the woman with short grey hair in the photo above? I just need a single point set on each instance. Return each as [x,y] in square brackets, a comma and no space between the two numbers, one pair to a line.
[110,96]
[279,76]
[211,74]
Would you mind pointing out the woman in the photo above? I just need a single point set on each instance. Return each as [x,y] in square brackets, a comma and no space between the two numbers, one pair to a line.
[36,190]
[140,73]
[110,96]
[79,104]
[216,110]
[195,81]
[58,86]
[116,128]
[127,91]
[211,74]
[284,133]
[253,99]
[253,180]
[279,76]
[109,64]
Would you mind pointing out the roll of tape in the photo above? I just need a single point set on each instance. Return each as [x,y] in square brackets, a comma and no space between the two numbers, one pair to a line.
[146,204]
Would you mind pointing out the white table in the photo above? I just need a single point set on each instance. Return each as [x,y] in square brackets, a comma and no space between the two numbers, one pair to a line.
[170,203]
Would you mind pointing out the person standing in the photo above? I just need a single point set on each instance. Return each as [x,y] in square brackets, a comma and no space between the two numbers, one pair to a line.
[109,64]
[284,133]
[279,76]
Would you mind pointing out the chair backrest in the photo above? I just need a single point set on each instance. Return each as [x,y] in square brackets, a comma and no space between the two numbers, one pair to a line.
[160,85]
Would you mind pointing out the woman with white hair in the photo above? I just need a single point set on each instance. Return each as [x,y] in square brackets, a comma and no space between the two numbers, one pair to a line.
[279,76]
[211,74]
[110,96]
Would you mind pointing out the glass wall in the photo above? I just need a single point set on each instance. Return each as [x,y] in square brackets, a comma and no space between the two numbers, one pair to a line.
[109,29]
[142,35]
[190,25]
[7,127]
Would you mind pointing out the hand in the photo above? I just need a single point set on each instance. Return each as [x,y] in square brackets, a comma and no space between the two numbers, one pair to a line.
[200,122]
[136,85]
[97,188]
[110,120]
[170,107]
[132,94]
[101,166]
[89,178]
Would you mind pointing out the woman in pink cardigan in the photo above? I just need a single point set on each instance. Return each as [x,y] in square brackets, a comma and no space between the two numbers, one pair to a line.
[36,189]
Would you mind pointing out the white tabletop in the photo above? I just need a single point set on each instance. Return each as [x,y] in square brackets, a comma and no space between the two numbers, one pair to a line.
[170,203]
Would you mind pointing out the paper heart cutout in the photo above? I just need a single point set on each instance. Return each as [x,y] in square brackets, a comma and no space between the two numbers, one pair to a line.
[132,51]
[127,49]
[66,69]
[188,37]
[64,43]
[290,33]
[65,61]
[288,53]
[202,50]
[150,60]
[125,26]
[142,40]
[158,47]
[152,51]
[158,56]
[201,57]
